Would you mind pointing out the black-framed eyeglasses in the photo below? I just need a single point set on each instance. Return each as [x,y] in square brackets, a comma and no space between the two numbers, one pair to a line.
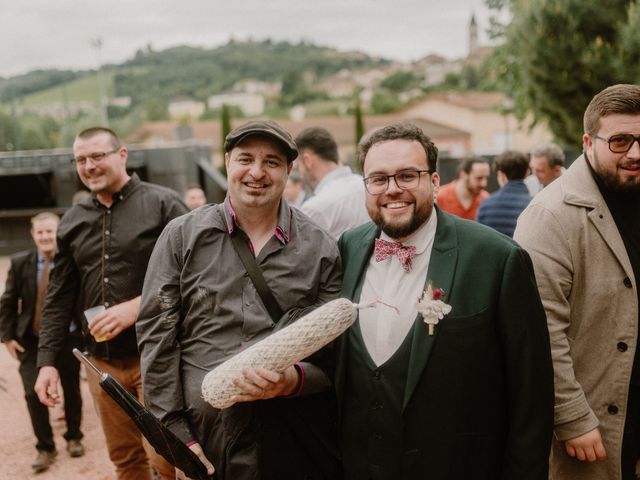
[620,143]
[378,183]
[96,157]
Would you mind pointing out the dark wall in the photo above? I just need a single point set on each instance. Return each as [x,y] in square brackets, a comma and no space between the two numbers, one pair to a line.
[31,182]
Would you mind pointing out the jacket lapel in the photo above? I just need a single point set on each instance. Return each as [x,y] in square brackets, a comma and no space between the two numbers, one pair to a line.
[360,252]
[31,273]
[442,264]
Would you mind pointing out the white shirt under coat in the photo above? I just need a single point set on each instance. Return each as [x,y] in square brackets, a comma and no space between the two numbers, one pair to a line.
[384,330]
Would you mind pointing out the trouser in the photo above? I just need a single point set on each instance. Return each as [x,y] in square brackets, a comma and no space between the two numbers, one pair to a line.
[631,438]
[69,371]
[128,450]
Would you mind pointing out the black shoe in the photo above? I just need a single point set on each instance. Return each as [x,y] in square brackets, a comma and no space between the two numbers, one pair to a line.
[75,448]
[44,460]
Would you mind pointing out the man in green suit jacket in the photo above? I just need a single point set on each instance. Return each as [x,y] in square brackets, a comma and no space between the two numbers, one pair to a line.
[468,396]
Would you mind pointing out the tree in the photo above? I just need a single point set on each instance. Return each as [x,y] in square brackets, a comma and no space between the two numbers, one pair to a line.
[401,81]
[384,101]
[225,128]
[557,54]
[359,126]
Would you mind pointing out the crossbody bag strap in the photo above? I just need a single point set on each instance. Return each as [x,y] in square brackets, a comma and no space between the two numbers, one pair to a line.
[256,276]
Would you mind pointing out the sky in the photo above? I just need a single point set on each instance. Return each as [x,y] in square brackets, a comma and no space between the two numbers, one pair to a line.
[59,33]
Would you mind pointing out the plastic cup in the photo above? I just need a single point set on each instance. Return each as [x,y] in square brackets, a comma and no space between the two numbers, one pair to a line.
[90,314]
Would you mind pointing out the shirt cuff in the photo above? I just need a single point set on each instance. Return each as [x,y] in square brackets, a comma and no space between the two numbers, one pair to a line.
[191,442]
[301,377]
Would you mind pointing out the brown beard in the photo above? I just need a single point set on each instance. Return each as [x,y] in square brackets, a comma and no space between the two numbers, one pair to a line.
[418,219]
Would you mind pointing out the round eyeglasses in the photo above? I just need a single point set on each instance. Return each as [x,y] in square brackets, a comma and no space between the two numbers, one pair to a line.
[378,183]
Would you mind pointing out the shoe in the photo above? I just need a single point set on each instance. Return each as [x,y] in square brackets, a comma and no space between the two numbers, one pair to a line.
[44,460]
[75,448]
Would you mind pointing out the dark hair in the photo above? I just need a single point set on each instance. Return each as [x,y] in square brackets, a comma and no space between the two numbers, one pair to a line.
[552,152]
[93,131]
[320,142]
[513,164]
[466,164]
[399,131]
[621,98]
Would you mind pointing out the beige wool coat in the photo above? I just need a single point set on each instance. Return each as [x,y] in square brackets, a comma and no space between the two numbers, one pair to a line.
[588,290]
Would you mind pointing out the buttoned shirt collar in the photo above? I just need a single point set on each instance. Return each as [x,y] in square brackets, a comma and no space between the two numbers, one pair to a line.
[283,226]
[124,191]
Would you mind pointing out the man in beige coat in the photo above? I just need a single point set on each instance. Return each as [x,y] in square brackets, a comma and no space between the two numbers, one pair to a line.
[583,235]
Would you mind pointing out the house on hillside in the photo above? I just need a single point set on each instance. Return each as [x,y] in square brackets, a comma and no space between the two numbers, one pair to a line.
[250,104]
[481,115]
[185,108]
[450,141]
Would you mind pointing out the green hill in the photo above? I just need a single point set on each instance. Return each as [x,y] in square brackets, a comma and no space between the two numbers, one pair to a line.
[187,71]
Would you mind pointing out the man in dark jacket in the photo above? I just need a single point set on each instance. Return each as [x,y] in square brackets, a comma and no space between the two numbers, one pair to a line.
[20,315]
[459,384]
[501,210]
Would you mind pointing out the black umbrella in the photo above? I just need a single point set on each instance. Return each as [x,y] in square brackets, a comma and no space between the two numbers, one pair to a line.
[160,437]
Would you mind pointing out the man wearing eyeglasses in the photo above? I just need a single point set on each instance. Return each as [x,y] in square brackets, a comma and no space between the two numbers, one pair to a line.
[466,393]
[104,245]
[583,235]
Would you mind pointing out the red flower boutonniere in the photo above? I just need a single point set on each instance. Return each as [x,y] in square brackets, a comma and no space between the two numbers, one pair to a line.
[431,307]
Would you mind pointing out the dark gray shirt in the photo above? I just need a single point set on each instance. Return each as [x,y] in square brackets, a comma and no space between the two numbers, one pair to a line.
[199,306]
[101,260]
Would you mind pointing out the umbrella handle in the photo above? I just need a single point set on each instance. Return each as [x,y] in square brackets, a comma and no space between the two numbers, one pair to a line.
[83,359]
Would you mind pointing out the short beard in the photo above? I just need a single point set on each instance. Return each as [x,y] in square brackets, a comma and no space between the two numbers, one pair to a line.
[612,182]
[418,219]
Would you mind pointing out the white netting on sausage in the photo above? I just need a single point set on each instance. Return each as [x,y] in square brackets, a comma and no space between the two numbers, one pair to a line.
[280,350]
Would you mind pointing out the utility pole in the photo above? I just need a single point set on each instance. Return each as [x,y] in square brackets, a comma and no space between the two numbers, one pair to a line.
[96,44]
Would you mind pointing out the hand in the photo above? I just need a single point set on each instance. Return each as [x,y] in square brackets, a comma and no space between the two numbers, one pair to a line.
[261,384]
[586,447]
[114,320]
[47,386]
[13,347]
[197,449]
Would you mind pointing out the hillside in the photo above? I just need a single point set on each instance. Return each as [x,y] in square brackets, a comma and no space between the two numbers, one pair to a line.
[187,72]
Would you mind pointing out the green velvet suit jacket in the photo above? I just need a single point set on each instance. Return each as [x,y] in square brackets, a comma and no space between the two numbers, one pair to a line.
[478,401]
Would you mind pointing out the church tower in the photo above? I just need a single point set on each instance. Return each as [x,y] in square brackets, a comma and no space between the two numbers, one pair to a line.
[473,36]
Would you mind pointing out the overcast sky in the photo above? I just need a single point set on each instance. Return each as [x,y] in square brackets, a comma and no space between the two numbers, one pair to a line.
[57,33]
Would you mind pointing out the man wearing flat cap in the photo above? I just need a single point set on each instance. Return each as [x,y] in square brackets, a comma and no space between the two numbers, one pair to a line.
[200,307]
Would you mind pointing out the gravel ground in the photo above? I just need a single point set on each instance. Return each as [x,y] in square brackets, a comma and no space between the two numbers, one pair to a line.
[17,442]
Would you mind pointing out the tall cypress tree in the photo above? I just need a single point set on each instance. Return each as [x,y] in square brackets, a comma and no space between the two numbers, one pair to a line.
[225,128]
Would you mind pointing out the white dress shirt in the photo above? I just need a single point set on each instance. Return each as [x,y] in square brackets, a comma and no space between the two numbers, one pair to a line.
[338,202]
[383,329]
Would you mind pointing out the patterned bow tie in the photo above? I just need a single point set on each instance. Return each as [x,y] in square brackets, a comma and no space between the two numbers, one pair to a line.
[385,249]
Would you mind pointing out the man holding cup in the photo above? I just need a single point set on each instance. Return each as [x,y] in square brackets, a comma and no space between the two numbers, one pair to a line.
[104,244]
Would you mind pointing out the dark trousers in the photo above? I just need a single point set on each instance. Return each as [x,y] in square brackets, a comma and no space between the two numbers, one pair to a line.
[69,370]
[631,439]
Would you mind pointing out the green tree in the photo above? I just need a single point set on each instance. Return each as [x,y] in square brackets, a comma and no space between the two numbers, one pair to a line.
[384,101]
[556,54]
[156,110]
[359,127]
[401,81]
[225,128]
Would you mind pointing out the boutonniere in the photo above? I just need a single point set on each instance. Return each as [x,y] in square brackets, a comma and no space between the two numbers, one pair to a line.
[431,307]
